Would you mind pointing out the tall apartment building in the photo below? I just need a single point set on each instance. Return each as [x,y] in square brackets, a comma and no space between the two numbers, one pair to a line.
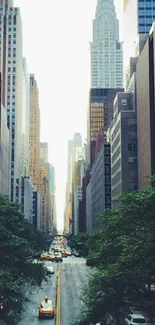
[145,110]
[138,18]
[123,140]
[11,62]
[44,151]
[99,117]
[34,133]
[106,50]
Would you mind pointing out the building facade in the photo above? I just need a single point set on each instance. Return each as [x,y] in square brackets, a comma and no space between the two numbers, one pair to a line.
[44,151]
[138,18]
[77,199]
[10,53]
[145,111]
[99,117]
[34,133]
[27,198]
[88,208]
[123,139]
[106,50]
[100,185]
[36,209]
[4,149]
[25,122]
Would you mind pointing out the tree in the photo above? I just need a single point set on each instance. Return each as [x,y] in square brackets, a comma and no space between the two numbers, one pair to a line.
[125,249]
[79,243]
[19,242]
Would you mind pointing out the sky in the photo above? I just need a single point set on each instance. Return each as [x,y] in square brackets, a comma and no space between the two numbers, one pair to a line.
[56,36]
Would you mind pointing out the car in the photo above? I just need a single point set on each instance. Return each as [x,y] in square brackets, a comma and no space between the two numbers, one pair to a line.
[64,254]
[135,319]
[50,269]
[46,309]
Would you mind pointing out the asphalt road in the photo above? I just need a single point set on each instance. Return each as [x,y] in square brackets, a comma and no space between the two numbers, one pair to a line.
[30,315]
[74,275]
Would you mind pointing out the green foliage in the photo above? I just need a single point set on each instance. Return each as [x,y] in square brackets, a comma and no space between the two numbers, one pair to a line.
[126,260]
[79,243]
[19,242]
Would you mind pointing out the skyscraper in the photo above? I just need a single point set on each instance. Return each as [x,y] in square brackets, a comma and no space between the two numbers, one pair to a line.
[34,132]
[138,18]
[106,50]
[25,123]
[11,54]
[44,151]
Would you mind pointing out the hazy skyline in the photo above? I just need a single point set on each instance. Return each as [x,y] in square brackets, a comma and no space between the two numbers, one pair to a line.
[56,45]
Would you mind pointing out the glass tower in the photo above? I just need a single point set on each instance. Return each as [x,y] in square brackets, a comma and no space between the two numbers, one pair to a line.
[138,18]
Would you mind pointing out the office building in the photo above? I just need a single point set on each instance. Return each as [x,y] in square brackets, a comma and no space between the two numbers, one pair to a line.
[105,48]
[44,151]
[138,18]
[82,203]
[100,185]
[99,117]
[4,148]
[77,199]
[52,198]
[145,111]
[88,209]
[34,133]
[123,140]
[27,198]
[25,123]
[68,214]
[36,209]
[10,53]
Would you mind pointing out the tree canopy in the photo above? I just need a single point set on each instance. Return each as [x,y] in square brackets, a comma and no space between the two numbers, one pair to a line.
[125,249]
[19,242]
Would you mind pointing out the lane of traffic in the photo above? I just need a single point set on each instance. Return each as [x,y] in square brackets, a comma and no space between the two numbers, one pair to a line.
[35,295]
[74,275]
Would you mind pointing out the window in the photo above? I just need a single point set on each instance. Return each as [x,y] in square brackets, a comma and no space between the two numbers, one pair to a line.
[132,146]
[124,101]
[132,122]
[132,160]
[132,134]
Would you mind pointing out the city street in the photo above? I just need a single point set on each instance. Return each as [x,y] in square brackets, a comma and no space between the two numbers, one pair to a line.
[73,274]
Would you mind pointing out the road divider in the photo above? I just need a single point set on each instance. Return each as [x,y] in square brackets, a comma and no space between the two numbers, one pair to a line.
[58,297]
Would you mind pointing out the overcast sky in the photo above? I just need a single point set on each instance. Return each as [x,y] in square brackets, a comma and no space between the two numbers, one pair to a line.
[56,37]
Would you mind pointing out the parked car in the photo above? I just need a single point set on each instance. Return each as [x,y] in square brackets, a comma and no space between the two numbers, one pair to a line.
[135,319]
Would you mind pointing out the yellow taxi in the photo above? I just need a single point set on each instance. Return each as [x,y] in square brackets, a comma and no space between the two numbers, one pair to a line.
[64,254]
[46,309]
[46,256]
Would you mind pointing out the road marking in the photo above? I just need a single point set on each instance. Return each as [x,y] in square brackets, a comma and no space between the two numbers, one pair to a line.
[33,310]
[58,298]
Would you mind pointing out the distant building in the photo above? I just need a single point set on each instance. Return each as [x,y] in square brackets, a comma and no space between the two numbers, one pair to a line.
[27,198]
[99,117]
[44,151]
[106,50]
[36,209]
[77,199]
[34,133]
[123,139]
[100,185]
[88,208]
